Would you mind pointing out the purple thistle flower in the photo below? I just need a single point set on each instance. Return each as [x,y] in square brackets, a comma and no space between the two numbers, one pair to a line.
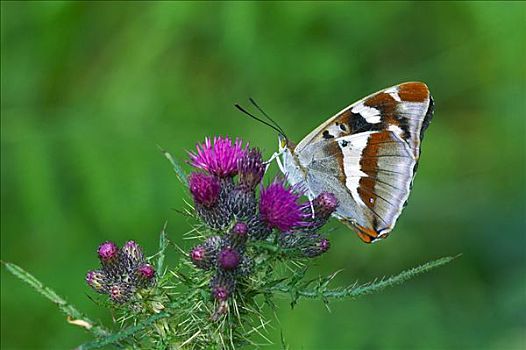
[108,251]
[279,207]
[228,258]
[205,189]
[251,169]
[219,157]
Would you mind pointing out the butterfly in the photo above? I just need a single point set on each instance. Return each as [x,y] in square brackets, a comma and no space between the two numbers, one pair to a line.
[366,155]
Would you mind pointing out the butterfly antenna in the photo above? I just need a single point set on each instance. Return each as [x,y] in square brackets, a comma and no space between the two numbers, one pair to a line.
[259,119]
[268,117]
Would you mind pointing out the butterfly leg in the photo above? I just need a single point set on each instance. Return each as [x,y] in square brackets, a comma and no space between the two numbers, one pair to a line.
[276,155]
[311,208]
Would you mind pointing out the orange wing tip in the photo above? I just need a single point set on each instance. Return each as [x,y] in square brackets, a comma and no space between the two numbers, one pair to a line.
[367,235]
[413,92]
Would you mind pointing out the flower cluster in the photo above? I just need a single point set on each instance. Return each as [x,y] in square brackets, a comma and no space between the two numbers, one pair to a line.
[123,271]
[225,196]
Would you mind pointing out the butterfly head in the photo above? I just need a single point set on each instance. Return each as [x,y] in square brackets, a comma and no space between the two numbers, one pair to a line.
[284,144]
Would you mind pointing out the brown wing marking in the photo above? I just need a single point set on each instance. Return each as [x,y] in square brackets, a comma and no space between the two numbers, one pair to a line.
[413,92]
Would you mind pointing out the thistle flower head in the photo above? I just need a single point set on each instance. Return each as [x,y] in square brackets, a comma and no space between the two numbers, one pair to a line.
[228,258]
[251,169]
[279,207]
[219,157]
[204,188]
[108,251]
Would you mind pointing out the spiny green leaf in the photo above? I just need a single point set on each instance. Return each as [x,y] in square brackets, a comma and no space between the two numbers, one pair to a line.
[163,243]
[181,175]
[75,317]
[356,290]
[123,334]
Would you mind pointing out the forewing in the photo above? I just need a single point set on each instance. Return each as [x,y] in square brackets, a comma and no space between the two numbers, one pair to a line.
[367,156]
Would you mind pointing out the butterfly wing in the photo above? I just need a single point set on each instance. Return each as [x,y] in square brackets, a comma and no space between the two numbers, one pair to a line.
[367,155]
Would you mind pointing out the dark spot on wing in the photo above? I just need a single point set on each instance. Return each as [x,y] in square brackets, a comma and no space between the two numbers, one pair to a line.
[357,123]
[403,123]
[327,135]
[344,143]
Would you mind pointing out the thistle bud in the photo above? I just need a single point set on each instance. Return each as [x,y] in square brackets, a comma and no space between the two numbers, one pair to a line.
[132,253]
[97,280]
[239,234]
[324,205]
[123,271]
[204,255]
[145,274]
[199,257]
[119,292]
[108,251]
[317,247]
[222,286]
[228,258]
[303,244]
[251,170]
[110,258]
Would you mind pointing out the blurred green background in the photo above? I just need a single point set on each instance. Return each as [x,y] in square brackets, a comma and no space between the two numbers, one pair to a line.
[90,89]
